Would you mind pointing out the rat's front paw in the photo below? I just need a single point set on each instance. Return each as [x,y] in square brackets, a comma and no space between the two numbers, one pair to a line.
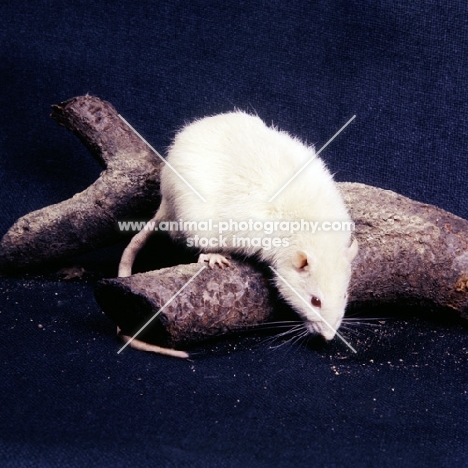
[213,259]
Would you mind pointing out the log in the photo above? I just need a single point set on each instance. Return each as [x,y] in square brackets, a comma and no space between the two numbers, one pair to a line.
[217,302]
[127,188]
[409,252]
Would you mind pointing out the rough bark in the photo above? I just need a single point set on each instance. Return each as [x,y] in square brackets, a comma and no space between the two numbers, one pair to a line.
[409,252]
[216,302]
[127,188]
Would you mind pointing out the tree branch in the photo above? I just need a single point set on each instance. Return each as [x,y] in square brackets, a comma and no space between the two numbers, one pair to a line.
[127,188]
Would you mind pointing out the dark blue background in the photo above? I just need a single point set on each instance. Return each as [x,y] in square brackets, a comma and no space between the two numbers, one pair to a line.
[401,67]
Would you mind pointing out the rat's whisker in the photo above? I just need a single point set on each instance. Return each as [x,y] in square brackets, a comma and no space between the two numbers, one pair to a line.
[355,323]
[356,316]
[289,342]
[301,338]
[293,330]
[277,324]
[352,331]
[290,331]
[362,320]
[271,325]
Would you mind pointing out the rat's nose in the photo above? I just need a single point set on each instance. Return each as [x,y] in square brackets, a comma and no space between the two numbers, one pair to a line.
[328,333]
[323,329]
[328,330]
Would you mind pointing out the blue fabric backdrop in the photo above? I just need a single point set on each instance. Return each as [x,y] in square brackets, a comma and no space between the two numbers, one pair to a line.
[67,398]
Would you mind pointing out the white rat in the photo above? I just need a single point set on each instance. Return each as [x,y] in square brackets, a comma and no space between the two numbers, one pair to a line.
[238,164]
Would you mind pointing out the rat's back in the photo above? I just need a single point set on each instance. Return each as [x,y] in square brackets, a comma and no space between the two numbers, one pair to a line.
[237,163]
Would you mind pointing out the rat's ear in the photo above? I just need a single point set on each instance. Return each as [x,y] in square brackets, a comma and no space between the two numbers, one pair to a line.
[301,261]
[352,251]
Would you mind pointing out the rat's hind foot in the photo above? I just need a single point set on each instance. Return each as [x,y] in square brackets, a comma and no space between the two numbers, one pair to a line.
[213,259]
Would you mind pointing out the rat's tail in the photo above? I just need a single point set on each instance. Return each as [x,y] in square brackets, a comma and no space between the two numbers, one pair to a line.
[137,242]
[150,348]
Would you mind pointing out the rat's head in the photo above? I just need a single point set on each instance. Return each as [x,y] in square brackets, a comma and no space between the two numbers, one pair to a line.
[320,276]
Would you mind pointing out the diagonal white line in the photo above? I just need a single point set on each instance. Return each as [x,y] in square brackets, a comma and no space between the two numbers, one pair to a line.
[310,160]
[161,158]
[161,309]
[315,312]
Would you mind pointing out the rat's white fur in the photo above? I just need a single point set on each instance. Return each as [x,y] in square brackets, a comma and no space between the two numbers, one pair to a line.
[237,164]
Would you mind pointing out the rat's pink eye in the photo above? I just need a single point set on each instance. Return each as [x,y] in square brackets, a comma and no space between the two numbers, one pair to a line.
[315,301]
